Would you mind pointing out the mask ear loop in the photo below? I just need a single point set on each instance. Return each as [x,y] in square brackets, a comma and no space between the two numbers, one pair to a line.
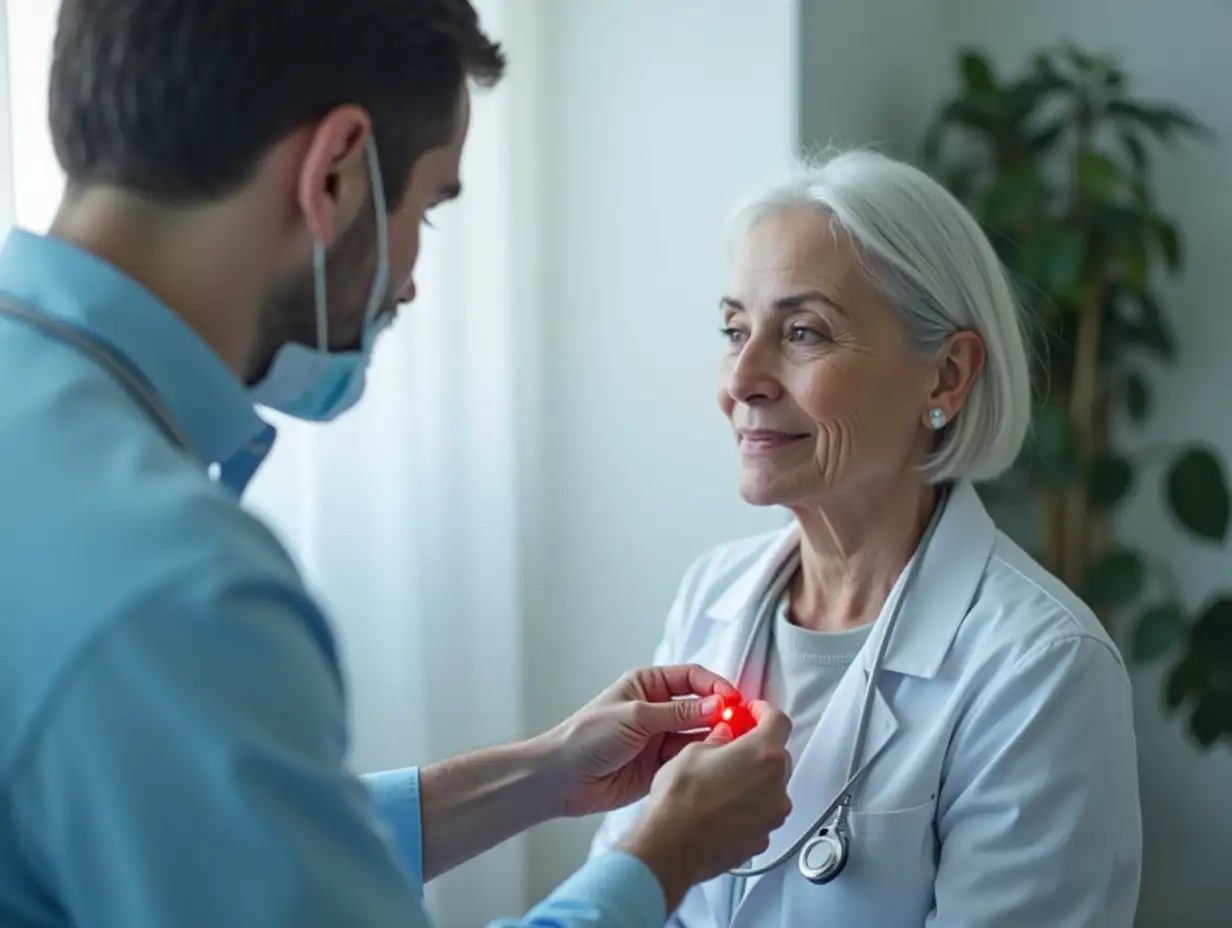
[380,282]
[318,288]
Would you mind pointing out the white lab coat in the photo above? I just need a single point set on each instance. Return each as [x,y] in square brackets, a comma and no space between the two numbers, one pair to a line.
[1004,788]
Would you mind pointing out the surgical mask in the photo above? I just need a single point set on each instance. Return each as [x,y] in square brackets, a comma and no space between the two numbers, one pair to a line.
[316,384]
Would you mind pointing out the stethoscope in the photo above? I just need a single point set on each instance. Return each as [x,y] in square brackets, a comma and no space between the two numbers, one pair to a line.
[70,335]
[825,846]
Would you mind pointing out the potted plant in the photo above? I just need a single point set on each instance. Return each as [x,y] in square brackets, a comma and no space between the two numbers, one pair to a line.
[1056,162]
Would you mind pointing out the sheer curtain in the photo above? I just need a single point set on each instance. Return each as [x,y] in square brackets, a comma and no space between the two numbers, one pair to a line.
[404,513]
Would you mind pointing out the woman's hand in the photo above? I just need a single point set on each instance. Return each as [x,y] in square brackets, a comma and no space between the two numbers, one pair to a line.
[607,753]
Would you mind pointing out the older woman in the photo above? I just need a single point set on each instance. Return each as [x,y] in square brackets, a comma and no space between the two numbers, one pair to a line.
[874,368]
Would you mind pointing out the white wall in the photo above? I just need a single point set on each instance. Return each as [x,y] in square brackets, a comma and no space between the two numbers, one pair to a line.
[1179,53]
[862,83]
[657,117]
[36,177]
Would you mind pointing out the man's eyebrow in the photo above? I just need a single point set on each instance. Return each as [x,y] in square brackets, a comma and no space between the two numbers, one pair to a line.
[786,304]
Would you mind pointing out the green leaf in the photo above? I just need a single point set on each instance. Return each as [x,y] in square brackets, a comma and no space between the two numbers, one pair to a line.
[1045,77]
[1212,717]
[977,73]
[1160,120]
[1126,227]
[1169,243]
[931,147]
[1081,60]
[1157,631]
[1097,175]
[1042,140]
[1115,579]
[1150,329]
[1212,633]
[1051,446]
[1052,257]
[1013,198]
[1137,396]
[1198,493]
[970,114]
[1185,679]
[1110,479]
[1136,151]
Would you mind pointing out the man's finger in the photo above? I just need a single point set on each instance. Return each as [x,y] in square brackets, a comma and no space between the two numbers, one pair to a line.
[677,715]
[662,683]
[771,723]
[722,734]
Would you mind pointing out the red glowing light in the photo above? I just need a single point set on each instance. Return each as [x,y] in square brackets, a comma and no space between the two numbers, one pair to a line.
[738,718]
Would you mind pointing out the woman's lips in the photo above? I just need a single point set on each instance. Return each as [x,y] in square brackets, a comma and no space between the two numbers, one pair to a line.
[764,441]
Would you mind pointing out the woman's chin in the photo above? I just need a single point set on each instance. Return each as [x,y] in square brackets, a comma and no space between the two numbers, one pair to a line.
[757,491]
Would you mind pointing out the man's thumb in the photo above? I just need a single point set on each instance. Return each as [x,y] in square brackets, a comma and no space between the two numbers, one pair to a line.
[682,714]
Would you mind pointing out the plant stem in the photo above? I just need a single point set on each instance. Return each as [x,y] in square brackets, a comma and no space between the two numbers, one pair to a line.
[1082,402]
[1085,376]
[1054,531]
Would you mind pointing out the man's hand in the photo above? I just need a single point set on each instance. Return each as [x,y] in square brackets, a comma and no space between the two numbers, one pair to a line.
[714,806]
[608,752]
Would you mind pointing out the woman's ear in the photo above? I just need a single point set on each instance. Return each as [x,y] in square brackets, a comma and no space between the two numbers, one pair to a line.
[333,180]
[961,362]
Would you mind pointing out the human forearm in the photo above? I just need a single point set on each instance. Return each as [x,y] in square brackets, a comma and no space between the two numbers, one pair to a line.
[473,802]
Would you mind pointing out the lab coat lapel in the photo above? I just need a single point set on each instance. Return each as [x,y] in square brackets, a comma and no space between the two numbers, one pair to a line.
[736,649]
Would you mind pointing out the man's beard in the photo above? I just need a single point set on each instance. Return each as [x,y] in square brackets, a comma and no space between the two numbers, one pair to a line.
[290,315]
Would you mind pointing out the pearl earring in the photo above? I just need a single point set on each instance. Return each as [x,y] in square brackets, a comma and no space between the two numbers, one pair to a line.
[936,418]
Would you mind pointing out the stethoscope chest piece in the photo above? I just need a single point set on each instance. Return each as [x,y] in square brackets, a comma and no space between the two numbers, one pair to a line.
[823,857]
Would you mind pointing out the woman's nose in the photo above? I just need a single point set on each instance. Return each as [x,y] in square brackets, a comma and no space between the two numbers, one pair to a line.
[752,377]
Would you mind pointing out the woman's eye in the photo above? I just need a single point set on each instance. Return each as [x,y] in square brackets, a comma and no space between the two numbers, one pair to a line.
[735,336]
[805,335]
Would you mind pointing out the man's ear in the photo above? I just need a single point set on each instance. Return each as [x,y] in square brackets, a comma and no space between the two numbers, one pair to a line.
[333,179]
[961,362]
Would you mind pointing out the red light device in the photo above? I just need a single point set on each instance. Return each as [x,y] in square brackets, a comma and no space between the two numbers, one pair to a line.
[738,718]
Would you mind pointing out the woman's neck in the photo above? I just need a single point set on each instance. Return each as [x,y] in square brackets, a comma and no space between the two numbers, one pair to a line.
[852,552]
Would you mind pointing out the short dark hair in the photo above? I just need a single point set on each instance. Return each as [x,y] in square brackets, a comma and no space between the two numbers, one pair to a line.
[178,100]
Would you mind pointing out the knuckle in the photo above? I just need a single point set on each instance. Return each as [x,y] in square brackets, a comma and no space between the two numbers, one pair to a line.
[639,714]
[774,760]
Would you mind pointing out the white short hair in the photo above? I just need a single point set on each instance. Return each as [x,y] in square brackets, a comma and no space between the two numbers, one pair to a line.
[929,257]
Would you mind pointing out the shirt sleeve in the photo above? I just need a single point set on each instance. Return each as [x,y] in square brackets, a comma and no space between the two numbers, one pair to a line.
[613,890]
[190,771]
[395,793]
[1039,819]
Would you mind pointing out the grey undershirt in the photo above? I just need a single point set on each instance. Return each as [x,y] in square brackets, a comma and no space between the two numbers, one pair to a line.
[803,670]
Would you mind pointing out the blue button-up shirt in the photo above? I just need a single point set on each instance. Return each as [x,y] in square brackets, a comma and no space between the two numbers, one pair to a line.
[172,719]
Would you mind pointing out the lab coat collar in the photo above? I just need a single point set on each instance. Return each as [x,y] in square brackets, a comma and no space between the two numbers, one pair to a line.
[943,591]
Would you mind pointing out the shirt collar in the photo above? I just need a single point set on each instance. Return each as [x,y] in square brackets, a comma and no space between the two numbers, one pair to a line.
[208,402]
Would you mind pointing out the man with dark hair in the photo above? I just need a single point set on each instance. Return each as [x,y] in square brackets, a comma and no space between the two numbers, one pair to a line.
[246,183]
